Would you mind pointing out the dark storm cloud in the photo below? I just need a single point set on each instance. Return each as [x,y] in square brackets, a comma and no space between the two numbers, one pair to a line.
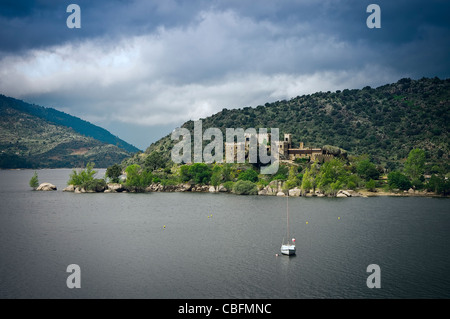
[158,63]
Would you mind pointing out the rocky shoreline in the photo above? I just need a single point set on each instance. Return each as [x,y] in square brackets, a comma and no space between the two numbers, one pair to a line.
[275,188]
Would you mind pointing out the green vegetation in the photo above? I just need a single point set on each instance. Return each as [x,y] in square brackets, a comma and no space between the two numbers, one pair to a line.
[154,161]
[55,117]
[29,140]
[113,173]
[95,185]
[137,178]
[394,137]
[397,180]
[439,185]
[83,177]
[34,181]
[415,164]
[370,185]
[244,187]
[367,170]
[385,123]
[198,173]
[354,172]
[248,175]
[243,179]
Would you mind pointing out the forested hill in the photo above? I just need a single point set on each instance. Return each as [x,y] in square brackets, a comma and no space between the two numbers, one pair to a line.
[32,137]
[384,122]
[60,118]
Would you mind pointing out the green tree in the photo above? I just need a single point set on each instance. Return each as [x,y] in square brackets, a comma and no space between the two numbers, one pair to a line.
[216,177]
[397,180]
[185,174]
[438,184]
[309,180]
[113,173]
[200,172]
[96,185]
[370,185]
[415,164]
[34,181]
[245,188]
[367,170]
[249,175]
[83,177]
[332,175]
[294,179]
[227,172]
[138,179]
[154,161]
[282,173]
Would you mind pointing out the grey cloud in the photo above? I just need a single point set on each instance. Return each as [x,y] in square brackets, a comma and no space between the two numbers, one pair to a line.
[158,63]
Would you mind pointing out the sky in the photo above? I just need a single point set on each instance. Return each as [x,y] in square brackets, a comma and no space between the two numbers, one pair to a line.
[141,68]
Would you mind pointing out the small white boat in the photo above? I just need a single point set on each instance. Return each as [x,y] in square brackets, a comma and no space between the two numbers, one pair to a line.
[288,248]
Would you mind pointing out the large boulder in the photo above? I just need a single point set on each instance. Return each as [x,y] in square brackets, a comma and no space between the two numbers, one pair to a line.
[354,193]
[46,187]
[115,187]
[212,189]
[70,188]
[281,194]
[295,192]
[344,193]
[184,187]
[262,192]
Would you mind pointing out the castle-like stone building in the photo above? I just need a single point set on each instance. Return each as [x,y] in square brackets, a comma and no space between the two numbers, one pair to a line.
[285,148]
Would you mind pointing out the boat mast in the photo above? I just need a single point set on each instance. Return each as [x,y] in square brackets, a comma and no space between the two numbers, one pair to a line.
[287,214]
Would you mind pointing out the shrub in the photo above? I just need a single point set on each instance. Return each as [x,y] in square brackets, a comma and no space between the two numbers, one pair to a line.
[138,179]
[96,185]
[370,185]
[34,181]
[398,180]
[439,185]
[216,176]
[282,174]
[113,173]
[367,170]
[185,176]
[351,185]
[229,185]
[154,161]
[245,188]
[249,175]
[200,173]
[415,164]
[83,177]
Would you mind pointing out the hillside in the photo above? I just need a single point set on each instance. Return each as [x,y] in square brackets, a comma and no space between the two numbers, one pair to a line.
[31,141]
[385,122]
[60,118]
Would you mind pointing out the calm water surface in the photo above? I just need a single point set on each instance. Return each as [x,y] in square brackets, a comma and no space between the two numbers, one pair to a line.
[124,251]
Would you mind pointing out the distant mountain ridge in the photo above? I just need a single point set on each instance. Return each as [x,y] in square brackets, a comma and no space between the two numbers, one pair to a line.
[384,122]
[78,125]
[36,137]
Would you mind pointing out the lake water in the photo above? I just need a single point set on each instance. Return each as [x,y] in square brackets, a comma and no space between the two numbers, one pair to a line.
[124,251]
